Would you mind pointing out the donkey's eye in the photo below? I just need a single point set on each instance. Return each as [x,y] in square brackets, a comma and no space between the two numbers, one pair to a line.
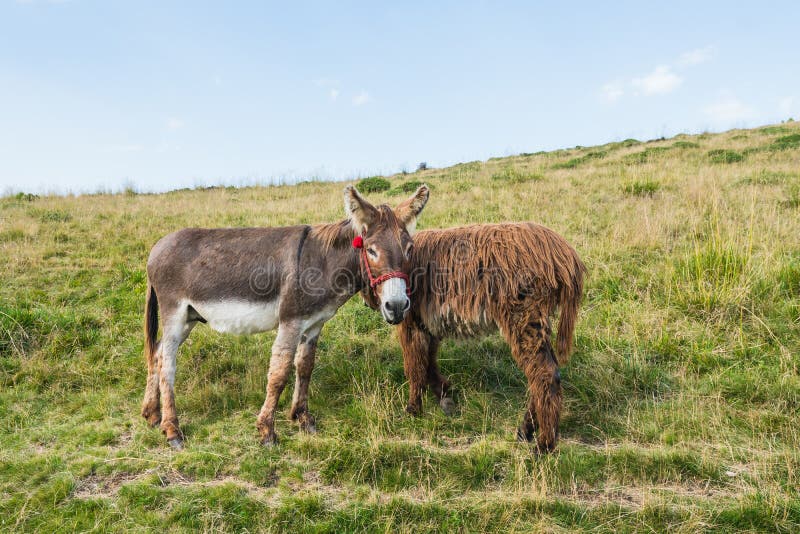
[371,252]
[409,248]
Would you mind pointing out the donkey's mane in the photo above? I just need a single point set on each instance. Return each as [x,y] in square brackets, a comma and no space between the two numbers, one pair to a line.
[341,233]
[333,234]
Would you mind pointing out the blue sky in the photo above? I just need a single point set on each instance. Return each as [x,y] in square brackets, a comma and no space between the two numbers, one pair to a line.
[160,95]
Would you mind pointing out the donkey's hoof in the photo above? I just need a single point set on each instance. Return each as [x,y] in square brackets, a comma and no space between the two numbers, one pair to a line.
[448,406]
[153,419]
[309,428]
[545,448]
[152,414]
[308,425]
[176,444]
[269,441]
[525,435]
[413,409]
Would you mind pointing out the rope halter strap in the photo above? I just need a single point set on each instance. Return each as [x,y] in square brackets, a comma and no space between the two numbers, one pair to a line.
[358,243]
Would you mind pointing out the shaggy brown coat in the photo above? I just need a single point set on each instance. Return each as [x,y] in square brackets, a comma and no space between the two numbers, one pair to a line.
[471,280]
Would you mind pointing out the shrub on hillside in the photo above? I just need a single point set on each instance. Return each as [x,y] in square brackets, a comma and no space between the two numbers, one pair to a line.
[786,142]
[723,155]
[574,162]
[685,144]
[373,184]
[26,197]
[405,188]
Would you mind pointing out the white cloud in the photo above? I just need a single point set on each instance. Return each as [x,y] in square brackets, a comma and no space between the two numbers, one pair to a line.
[612,91]
[361,98]
[174,123]
[697,56]
[661,81]
[729,109]
[334,94]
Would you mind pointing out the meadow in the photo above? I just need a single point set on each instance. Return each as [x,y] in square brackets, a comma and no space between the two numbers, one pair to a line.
[681,401]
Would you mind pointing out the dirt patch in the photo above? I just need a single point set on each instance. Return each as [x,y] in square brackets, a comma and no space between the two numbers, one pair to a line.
[637,496]
[102,486]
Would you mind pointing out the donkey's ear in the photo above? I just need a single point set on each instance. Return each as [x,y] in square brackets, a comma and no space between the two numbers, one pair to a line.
[361,212]
[409,209]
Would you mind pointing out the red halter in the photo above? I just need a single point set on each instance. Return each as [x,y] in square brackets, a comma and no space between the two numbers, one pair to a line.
[358,242]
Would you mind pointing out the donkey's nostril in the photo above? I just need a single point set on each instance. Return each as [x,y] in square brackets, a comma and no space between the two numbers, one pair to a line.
[387,306]
[407,306]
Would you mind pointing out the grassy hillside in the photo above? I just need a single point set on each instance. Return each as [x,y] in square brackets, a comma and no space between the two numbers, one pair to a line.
[682,401]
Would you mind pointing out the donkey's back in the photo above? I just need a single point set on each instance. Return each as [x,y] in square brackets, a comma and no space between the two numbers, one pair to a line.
[222,264]
[478,277]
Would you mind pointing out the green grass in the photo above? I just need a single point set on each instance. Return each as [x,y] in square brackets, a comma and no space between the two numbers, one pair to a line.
[685,144]
[643,188]
[721,155]
[681,401]
[406,188]
[512,175]
[786,142]
[647,155]
[580,160]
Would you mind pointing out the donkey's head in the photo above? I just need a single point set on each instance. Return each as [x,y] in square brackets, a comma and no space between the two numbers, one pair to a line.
[383,237]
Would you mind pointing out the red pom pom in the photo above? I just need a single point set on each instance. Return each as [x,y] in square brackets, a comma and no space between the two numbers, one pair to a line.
[358,242]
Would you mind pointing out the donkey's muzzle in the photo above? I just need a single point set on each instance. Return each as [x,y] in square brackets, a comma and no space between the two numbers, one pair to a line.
[394,311]
[395,302]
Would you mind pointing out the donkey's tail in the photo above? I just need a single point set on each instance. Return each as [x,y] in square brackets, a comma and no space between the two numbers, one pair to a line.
[571,293]
[150,325]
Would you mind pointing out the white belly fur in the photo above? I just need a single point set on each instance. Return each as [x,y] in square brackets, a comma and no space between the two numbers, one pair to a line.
[239,316]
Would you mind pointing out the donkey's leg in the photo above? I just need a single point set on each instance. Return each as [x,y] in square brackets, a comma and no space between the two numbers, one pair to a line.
[151,405]
[530,346]
[280,363]
[415,344]
[304,364]
[440,386]
[176,330]
[546,395]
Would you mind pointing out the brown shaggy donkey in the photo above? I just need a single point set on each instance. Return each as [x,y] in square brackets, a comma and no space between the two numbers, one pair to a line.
[471,280]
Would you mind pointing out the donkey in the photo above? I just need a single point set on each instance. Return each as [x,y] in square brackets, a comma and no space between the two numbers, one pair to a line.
[248,280]
[469,281]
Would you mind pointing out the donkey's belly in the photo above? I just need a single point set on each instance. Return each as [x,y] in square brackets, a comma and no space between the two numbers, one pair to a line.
[446,323]
[239,316]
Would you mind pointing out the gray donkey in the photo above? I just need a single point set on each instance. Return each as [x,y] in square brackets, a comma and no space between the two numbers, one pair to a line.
[294,278]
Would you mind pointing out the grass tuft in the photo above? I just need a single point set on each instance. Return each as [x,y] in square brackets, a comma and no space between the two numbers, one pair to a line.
[721,155]
[575,162]
[643,188]
[406,188]
[646,155]
[685,144]
[512,175]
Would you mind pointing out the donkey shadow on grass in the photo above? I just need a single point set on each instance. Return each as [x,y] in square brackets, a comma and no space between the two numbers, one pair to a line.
[487,386]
